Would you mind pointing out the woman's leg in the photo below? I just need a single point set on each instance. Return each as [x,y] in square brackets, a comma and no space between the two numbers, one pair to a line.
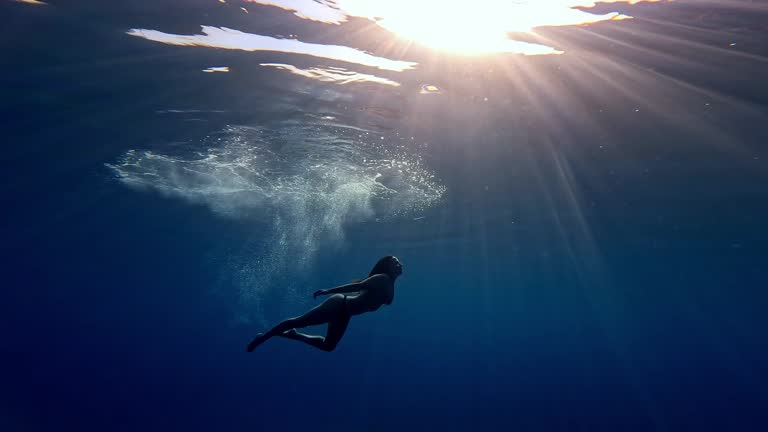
[327,311]
[315,341]
[336,329]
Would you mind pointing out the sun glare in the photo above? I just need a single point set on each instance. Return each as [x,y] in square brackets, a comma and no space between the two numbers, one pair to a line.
[462,27]
[481,26]
[467,27]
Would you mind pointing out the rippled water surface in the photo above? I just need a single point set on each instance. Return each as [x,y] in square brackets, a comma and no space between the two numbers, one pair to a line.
[577,191]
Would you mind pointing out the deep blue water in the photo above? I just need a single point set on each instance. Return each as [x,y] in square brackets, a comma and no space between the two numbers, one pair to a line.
[589,253]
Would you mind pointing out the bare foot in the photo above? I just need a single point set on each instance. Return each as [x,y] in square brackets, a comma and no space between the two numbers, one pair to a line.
[255,342]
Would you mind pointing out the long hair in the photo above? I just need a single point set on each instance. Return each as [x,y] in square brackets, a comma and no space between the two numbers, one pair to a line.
[382,266]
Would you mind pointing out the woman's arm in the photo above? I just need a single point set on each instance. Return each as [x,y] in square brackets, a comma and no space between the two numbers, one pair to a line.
[353,287]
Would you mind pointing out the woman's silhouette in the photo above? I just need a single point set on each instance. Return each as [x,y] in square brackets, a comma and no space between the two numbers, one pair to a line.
[336,310]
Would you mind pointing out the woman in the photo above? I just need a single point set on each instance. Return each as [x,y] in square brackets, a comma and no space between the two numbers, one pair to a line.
[336,310]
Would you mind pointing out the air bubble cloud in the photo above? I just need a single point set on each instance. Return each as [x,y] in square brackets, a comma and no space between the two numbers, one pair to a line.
[305,182]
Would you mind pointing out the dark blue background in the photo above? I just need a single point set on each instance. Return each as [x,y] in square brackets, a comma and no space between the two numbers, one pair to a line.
[597,263]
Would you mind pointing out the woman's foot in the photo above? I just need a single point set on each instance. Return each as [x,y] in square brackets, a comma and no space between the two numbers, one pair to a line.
[255,342]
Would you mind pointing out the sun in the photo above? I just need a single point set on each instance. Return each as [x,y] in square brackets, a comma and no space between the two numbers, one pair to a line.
[446,27]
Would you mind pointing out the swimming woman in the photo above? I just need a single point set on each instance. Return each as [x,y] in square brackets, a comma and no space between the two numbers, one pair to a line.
[369,294]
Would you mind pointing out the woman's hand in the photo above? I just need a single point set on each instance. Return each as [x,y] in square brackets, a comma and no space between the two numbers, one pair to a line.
[319,292]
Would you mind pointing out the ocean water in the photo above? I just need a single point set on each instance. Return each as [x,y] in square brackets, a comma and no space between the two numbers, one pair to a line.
[579,208]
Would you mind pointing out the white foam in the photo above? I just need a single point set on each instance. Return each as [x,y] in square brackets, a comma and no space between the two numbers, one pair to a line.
[306,182]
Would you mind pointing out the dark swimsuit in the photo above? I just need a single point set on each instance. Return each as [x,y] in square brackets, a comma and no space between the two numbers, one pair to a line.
[346,305]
